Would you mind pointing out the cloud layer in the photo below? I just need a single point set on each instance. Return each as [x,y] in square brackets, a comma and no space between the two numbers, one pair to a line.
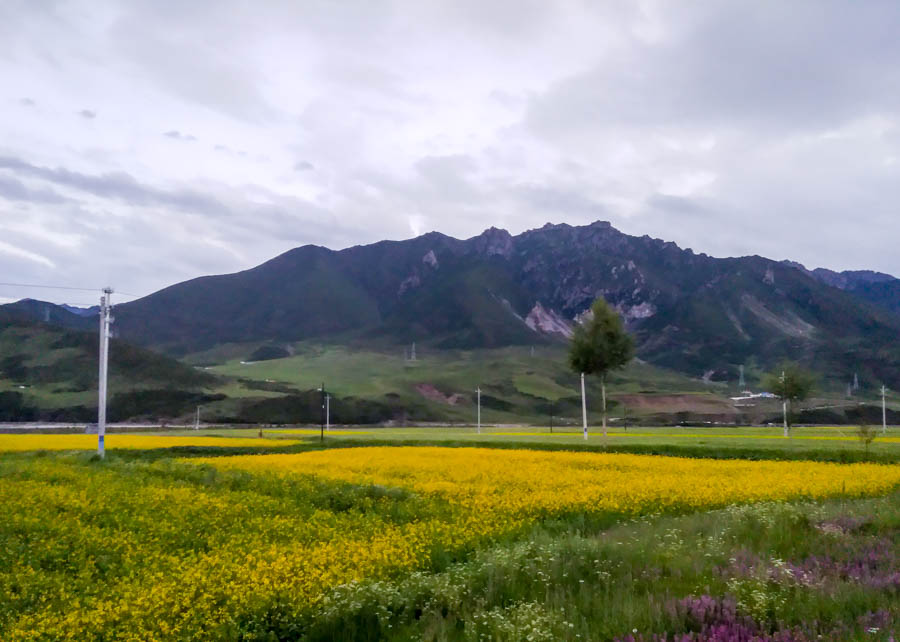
[148,142]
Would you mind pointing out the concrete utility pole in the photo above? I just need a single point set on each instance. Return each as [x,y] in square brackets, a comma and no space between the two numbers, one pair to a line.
[105,320]
[583,408]
[327,412]
[741,382]
[784,402]
[883,410]
[478,391]
[197,419]
[324,394]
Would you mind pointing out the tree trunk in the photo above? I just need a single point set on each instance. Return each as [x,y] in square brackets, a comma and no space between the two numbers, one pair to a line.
[603,392]
[583,407]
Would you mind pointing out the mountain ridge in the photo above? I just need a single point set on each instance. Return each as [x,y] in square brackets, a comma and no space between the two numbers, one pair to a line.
[688,311]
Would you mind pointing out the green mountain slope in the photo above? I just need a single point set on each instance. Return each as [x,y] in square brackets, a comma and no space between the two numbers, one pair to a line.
[48,372]
[691,312]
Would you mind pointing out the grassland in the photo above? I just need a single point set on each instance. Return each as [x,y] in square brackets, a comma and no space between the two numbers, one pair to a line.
[518,385]
[50,372]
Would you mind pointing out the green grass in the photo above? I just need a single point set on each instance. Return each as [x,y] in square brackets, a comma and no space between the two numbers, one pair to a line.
[519,386]
[568,582]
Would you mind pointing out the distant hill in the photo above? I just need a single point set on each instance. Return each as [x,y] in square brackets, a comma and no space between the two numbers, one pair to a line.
[878,288]
[50,372]
[691,312]
[58,315]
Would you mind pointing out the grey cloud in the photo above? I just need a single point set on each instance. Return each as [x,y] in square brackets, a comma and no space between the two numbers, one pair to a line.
[177,135]
[449,177]
[170,45]
[681,206]
[87,113]
[710,124]
[762,65]
[15,190]
[555,201]
[117,185]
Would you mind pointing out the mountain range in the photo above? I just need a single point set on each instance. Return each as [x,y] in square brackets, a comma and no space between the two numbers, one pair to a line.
[690,312]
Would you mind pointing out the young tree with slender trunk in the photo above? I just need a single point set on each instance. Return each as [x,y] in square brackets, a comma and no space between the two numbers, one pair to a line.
[792,384]
[598,347]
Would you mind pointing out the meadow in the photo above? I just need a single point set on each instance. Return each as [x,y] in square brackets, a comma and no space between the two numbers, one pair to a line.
[232,536]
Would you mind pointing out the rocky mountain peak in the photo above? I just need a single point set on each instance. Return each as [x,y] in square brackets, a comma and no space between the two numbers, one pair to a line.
[494,241]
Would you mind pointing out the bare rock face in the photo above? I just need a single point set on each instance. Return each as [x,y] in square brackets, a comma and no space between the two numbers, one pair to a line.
[410,282]
[547,321]
[430,259]
[494,241]
[643,310]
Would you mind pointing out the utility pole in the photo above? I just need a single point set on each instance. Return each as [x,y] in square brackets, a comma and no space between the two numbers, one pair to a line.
[105,320]
[552,408]
[583,408]
[197,419]
[741,382]
[883,410]
[478,391]
[322,432]
[328,412]
[784,401]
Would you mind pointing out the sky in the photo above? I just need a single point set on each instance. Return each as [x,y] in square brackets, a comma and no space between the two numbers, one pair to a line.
[145,142]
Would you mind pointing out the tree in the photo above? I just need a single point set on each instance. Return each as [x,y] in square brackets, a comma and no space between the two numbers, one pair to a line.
[599,346]
[792,384]
[866,434]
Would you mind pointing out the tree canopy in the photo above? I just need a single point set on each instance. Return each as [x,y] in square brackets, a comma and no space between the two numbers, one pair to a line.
[601,344]
[790,382]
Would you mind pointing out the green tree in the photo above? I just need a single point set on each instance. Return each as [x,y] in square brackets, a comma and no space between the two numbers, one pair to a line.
[866,434]
[599,346]
[792,384]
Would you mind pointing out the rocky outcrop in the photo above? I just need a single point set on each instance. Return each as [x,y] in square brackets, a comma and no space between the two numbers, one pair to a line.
[494,242]
[430,259]
[547,321]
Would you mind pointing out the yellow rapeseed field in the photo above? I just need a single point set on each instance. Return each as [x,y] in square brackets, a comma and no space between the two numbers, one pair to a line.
[21,443]
[531,482]
[686,435]
[215,547]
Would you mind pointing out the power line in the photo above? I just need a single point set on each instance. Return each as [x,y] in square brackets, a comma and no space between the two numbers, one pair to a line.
[51,287]
[64,287]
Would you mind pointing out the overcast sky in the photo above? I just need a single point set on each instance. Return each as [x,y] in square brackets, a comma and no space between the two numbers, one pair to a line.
[147,142]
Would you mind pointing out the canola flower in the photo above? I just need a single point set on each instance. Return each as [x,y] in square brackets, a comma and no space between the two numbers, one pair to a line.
[21,443]
[223,547]
[880,438]
[530,482]
[316,431]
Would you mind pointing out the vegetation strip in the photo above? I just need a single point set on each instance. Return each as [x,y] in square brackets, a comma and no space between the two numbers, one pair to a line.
[23,443]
